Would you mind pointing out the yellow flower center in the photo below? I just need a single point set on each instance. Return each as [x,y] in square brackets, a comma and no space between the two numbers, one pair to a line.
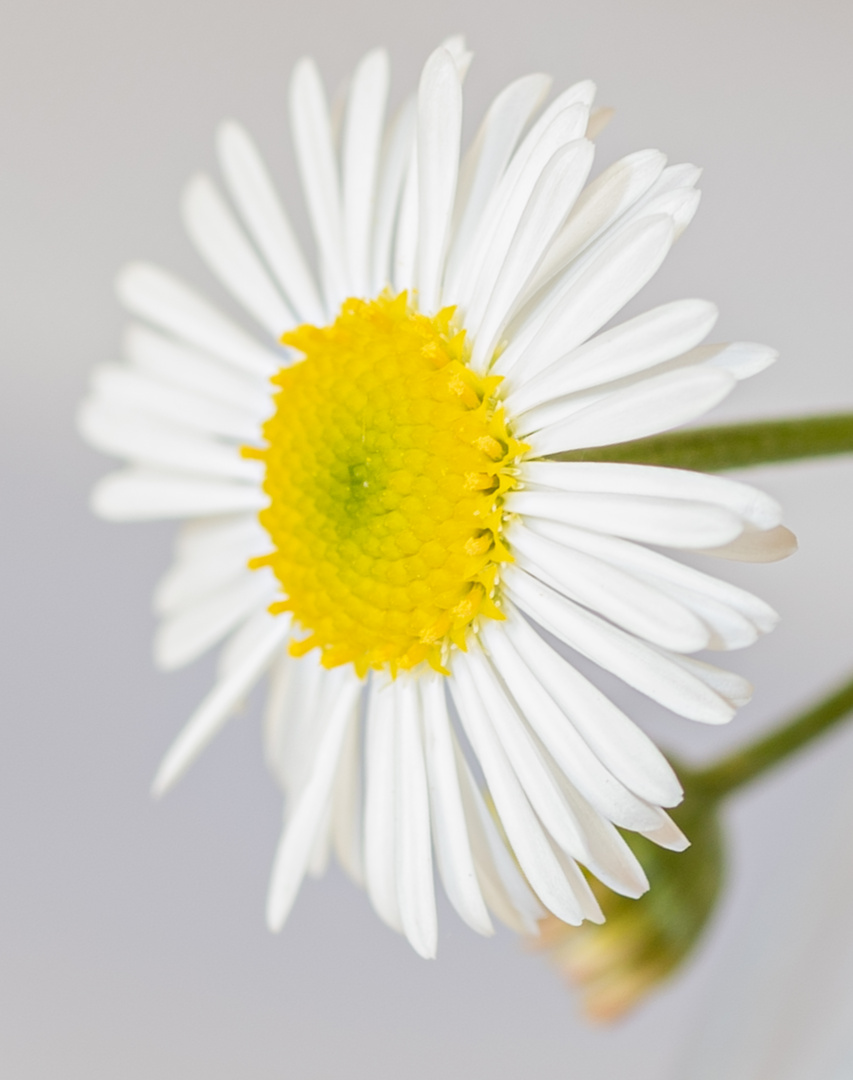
[386,464]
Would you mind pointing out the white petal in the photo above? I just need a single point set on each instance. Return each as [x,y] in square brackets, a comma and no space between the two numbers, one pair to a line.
[150,442]
[632,604]
[651,519]
[653,405]
[254,193]
[396,154]
[654,674]
[307,816]
[681,205]
[293,736]
[318,693]
[742,358]
[619,744]
[361,146]
[673,178]
[729,685]
[522,828]
[611,859]
[209,537]
[189,580]
[579,93]
[582,767]
[554,193]
[563,121]
[183,637]
[452,842]
[660,570]
[162,299]
[380,804]
[590,907]
[578,829]
[668,835]
[462,56]
[672,193]
[223,246]
[144,494]
[605,200]
[485,161]
[755,546]
[633,346]
[504,887]
[315,157]
[415,890]
[212,713]
[347,825]
[749,503]
[406,239]
[729,628]
[321,849]
[186,368]
[536,781]
[244,642]
[439,132]
[595,294]
[501,217]
[129,389]
[276,714]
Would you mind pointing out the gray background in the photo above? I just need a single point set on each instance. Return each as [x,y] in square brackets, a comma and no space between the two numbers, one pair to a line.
[132,941]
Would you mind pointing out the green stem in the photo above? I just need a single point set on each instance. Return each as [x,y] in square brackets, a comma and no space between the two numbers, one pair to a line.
[733,446]
[746,764]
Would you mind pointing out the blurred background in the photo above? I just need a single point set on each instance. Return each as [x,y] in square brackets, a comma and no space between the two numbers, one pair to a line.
[132,938]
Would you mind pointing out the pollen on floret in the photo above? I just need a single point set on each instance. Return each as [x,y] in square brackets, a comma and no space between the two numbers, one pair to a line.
[387,459]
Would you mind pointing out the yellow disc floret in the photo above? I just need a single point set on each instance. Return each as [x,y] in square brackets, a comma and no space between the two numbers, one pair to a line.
[386,462]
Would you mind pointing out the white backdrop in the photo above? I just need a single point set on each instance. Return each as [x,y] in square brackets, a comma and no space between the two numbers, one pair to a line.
[132,941]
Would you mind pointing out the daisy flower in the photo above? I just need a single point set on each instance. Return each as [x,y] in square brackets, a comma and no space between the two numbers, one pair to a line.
[374,513]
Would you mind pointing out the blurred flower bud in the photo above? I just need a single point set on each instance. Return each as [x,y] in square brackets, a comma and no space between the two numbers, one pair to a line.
[615,965]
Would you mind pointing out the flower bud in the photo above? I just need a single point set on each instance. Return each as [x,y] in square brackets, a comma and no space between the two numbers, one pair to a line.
[617,964]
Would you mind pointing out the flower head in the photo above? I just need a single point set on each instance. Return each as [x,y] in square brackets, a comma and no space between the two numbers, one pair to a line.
[375,513]
[385,464]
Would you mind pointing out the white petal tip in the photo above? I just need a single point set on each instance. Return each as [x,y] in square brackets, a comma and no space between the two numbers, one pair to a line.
[379,55]
[167,656]
[672,796]
[668,836]
[103,505]
[302,66]
[440,63]
[274,922]
[634,890]
[425,950]
[770,545]
[164,662]
[585,91]
[276,914]
[199,187]
[163,782]
[716,718]
[227,132]
[762,358]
